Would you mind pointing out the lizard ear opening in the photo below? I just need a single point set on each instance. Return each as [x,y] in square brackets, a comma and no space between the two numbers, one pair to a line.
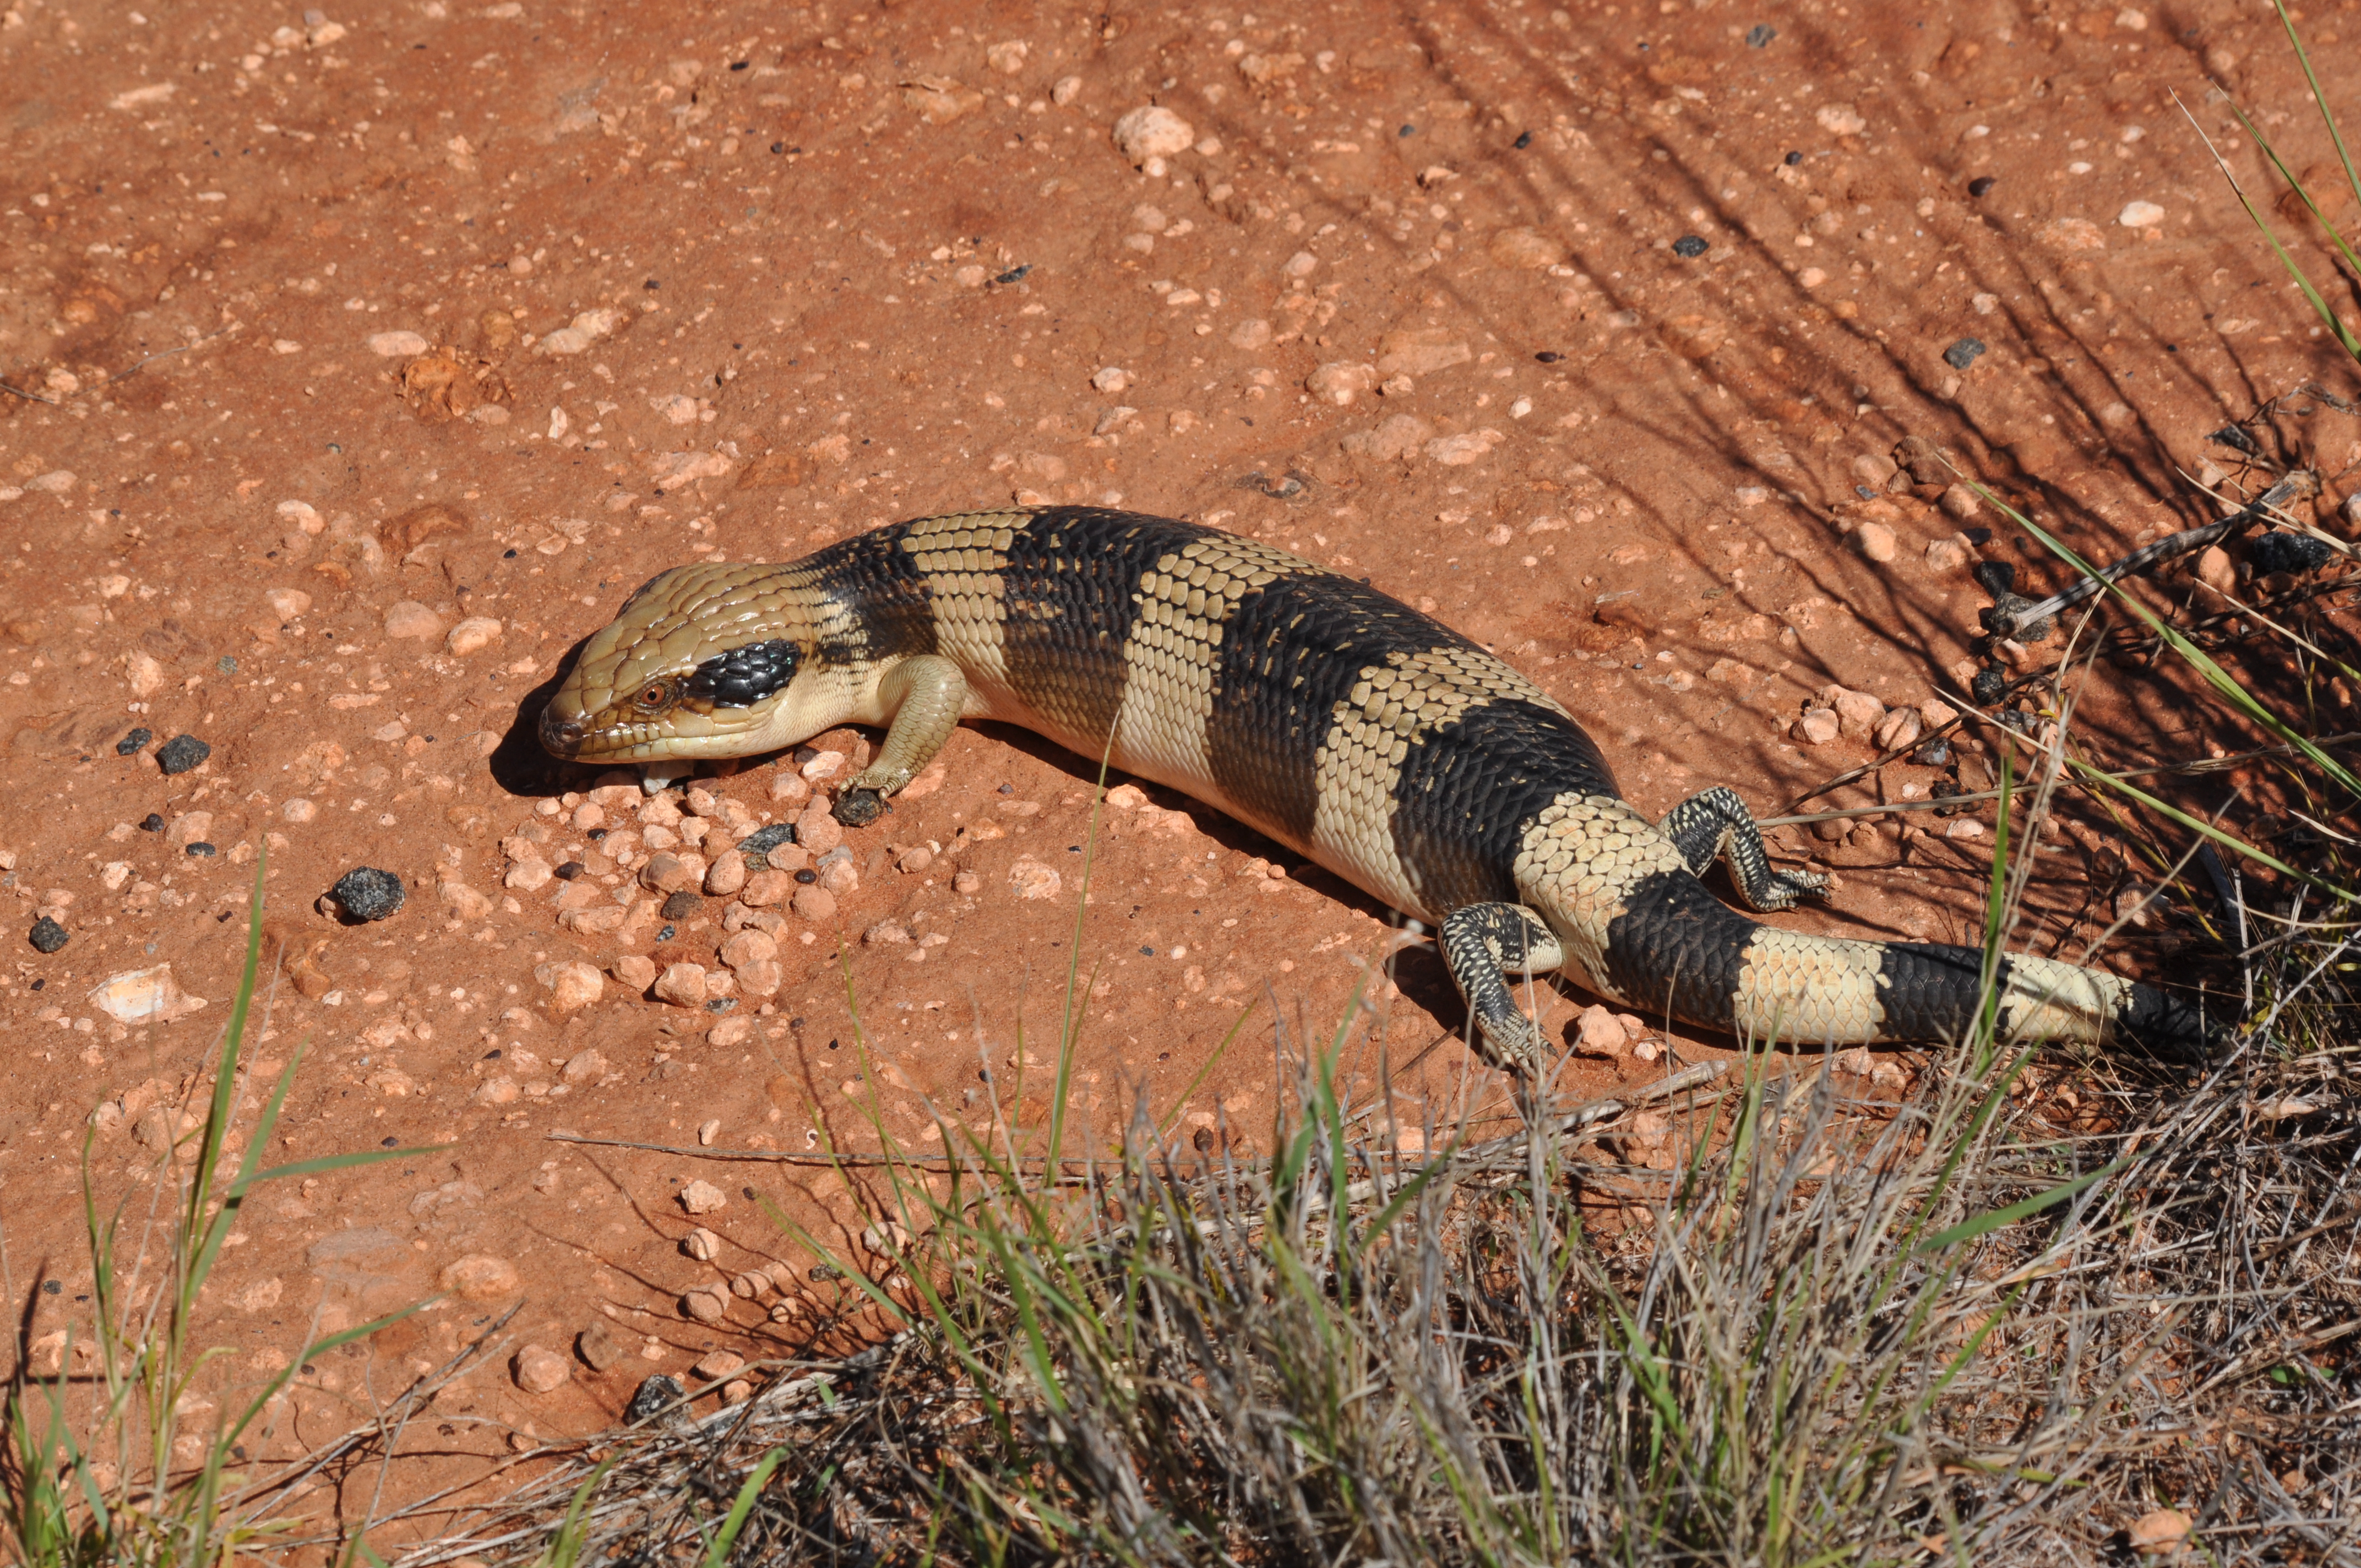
[744,677]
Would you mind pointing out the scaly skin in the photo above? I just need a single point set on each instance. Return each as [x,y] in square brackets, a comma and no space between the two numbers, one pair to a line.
[1334,718]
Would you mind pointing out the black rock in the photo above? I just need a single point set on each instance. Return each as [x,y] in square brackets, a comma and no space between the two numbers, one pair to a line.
[132,742]
[1982,185]
[1964,353]
[2281,550]
[1760,35]
[151,823]
[1935,753]
[682,905]
[757,846]
[180,753]
[1995,577]
[808,876]
[1524,139]
[1990,686]
[2236,439]
[653,1396]
[366,893]
[203,850]
[569,870]
[1690,245]
[48,935]
[668,934]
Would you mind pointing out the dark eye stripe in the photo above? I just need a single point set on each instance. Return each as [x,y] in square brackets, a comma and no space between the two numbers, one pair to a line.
[744,677]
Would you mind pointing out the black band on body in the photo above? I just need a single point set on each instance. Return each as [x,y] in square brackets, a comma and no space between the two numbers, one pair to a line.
[1678,949]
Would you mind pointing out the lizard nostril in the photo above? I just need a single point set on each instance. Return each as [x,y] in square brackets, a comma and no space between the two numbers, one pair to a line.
[560,735]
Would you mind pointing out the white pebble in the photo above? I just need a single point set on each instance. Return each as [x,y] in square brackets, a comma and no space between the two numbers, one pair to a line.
[1068,89]
[298,811]
[396,345]
[472,635]
[1152,132]
[1876,541]
[287,604]
[2140,215]
[1112,378]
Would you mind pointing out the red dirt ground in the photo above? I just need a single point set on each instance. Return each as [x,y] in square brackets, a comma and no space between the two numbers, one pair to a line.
[326,336]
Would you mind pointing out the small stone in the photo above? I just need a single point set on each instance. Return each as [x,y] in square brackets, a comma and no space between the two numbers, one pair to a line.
[748,947]
[409,619]
[814,903]
[366,893]
[757,845]
[1524,250]
[1152,131]
[706,1305]
[600,1346]
[840,876]
[1421,350]
[651,1398]
[526,876]
[584,1067]
[735,1030]
[667,872]
[683,985]
[1899,729]
[1964,353]
[1858,713]
[682,905]
[1600,1034]
[718,1364]
[790,787]
[472,636]
[1340,381]
[911,861]
[634,971]
[1067,89]
[573,985]
[1818,727]
[48,935]
[2214,570]
[1252,334]
[701,1245]
[767,887]
[2140,215]
[144,997]
[180,753]
[702,1197]
[1961,502]
[1945,556]
[1029,878]
[1690,246]
[816,830]
[726,876]
[967,883]
[540,1371]
[2159,1532]
[480,1276]
[1842,119]
[1111,378]
[396,345]
[886,933]
[1875,541]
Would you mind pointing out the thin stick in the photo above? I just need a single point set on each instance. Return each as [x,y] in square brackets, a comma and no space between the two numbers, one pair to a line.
[2028,621]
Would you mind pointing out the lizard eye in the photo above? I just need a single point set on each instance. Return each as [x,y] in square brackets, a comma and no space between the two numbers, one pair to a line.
[656,693]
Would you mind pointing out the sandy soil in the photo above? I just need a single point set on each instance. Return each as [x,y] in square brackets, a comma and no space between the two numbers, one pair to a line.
[359,364]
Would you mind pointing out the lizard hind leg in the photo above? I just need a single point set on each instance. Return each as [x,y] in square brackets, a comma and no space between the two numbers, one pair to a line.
[1713,825]
[1483,944]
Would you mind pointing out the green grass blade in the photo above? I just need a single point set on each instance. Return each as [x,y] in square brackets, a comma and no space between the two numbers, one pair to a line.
[1983,1224]
[727,1536]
